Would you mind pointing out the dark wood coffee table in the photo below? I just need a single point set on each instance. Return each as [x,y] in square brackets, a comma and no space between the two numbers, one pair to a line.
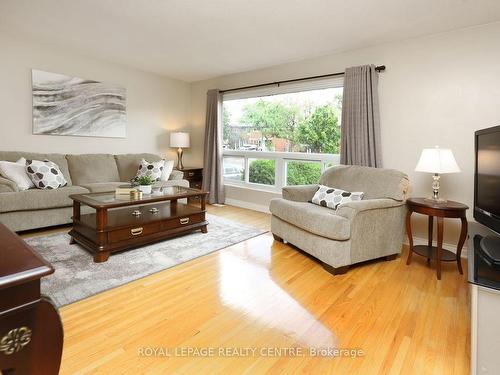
[122,223]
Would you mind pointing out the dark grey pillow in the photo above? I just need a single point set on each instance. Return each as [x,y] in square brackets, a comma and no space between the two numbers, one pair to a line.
[45,174]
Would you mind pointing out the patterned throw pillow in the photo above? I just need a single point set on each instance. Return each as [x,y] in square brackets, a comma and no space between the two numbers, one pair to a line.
[153,169]
[168,167]
[45,174]
[332,198]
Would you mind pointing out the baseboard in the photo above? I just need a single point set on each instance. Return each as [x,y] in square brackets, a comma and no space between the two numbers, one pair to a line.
[447,246]
[247,205]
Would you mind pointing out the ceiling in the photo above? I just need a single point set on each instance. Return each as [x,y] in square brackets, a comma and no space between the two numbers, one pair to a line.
[198,39]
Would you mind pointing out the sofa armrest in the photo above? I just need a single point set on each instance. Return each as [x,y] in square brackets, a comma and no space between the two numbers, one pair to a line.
[176,175]
[351,209]
[299,193]
[7,186]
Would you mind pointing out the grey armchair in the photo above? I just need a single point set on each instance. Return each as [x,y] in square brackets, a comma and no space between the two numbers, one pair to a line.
[355,232]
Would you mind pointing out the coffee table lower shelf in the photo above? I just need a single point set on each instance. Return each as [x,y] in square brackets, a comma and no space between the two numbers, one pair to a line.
[124,231]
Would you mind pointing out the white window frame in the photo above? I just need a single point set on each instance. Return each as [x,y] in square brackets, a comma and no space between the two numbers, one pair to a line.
[280,158]
[280,161]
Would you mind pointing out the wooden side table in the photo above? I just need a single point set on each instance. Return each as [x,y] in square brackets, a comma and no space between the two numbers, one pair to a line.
[195,177]
[440,210]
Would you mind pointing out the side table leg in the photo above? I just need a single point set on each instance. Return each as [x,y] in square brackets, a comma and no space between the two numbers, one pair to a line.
[430,231]
[439,246]
[463,236]
[410,236]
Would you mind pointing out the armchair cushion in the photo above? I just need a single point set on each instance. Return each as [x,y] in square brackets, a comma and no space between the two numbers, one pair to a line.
[350,209]
[299,193]
[312,218]
[7,185]
[176,175]
[374,182]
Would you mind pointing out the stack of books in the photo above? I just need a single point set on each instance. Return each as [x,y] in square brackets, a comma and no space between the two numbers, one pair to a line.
[122,190]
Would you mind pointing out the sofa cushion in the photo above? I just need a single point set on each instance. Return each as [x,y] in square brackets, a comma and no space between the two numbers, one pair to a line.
[88,168]
[59,159]
[129,163]
[374,182]
[35,199]
[102,187]
[315,219]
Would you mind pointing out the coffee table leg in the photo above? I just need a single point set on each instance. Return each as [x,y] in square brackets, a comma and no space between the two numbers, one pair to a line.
[101,256]
[75,218]
[203,202]
[101,223]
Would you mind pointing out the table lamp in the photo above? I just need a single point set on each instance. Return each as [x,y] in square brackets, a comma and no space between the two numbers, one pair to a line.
[437,161]
[179,140]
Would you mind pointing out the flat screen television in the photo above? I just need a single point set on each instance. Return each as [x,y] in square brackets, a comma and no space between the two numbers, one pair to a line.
[487,178]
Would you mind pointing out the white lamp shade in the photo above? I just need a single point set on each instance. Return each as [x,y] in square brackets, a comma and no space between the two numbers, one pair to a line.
[179,139]
[437,160]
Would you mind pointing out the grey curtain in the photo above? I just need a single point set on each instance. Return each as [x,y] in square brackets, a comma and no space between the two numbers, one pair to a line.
[360,129]
[212,162]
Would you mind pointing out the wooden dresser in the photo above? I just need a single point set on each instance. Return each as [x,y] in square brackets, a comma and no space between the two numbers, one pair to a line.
[195,177]
[31,332]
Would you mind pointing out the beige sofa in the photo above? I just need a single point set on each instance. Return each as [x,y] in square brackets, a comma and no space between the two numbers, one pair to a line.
[355,232]
[35,208]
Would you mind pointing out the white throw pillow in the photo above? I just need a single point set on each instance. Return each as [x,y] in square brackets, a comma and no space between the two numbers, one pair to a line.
[331,198]
[16,172]
[152,169]
[168,167]
[45,174]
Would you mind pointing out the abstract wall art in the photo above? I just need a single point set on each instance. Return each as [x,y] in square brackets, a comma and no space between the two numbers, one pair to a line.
[64,105]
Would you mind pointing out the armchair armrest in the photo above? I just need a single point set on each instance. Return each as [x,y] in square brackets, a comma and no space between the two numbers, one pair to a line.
[299,193]
[176,175]
[7,186]
[351,209]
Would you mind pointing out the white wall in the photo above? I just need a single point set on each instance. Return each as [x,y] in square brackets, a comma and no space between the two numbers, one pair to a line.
[437,90]
[155,104]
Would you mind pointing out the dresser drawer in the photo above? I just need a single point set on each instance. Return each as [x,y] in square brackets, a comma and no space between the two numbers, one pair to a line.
[185,221]
[193,175]
[134,232]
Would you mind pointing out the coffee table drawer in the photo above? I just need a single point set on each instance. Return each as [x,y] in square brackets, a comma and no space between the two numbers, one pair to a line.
[184,221]
[139,231]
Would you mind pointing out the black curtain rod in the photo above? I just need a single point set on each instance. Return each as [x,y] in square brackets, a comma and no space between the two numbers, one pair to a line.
[380,68]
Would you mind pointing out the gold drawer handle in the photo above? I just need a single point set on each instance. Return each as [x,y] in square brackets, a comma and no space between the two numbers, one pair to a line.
[136,231]
[191,174]
[184,220]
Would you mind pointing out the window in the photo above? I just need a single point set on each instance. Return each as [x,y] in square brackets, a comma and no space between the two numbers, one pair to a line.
[282,135]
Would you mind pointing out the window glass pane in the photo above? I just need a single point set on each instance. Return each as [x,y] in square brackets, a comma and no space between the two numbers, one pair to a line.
[302,173]
[307,121]
[234,168]
[261,171]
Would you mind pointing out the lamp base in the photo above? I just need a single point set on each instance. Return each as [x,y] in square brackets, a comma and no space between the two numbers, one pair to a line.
[180,166]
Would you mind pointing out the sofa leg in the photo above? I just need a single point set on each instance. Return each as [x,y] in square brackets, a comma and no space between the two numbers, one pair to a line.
[335,270]
[391,257]
[277,238]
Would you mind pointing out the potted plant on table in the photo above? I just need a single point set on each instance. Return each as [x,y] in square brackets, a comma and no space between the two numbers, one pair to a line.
[145,183]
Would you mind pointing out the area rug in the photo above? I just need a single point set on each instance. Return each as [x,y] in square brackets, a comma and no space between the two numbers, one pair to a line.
[77,276]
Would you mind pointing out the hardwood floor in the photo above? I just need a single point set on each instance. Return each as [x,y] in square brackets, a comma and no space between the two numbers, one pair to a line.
[264,294]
